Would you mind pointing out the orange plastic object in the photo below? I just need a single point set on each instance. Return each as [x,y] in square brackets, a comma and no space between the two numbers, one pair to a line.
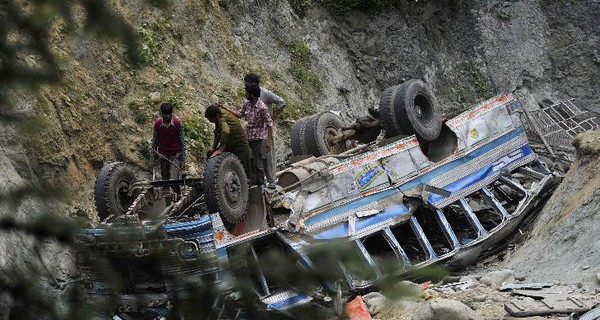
[357,309]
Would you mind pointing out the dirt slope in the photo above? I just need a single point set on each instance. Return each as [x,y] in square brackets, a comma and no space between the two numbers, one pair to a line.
[564,245]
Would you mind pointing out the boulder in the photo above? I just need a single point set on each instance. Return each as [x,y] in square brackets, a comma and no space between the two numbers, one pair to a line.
[446,309]
[375,302]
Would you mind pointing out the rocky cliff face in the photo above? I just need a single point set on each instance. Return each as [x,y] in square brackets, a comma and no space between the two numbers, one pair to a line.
[196,52]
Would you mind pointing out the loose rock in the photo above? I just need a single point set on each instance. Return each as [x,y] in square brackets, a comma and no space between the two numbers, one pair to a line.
[444,309]
[496,278]
[375,302]
[154,96]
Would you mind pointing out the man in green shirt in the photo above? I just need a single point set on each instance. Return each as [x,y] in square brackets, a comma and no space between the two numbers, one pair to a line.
[229,137]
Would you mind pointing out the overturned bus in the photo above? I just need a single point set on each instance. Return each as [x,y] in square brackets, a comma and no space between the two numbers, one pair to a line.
[401,184]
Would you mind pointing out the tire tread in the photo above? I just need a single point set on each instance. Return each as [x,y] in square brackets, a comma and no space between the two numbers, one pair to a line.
[388,112]
[103,188]
[213,189]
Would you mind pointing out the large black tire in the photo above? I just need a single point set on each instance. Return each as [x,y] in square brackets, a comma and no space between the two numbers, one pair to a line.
[319,130]
[226,187]
[417,110]
[111,191]
[388,112]
[297,137]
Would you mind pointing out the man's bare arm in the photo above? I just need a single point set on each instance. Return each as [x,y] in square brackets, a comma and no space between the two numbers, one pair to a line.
[230,110]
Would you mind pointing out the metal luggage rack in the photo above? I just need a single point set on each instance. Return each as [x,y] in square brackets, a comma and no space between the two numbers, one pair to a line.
[556,126]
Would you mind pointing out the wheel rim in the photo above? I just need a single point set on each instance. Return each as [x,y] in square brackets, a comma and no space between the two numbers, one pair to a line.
[122,195]
[418,111]
[332,147]
[423,108]
[233,188]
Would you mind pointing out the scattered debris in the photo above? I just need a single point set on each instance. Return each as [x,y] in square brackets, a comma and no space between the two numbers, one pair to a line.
[462,285]
[511,301]
[561,304]
[532,286]
[538,300]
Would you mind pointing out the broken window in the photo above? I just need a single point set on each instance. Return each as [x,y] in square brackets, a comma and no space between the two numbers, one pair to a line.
[433,231]
[484,209]
[261,262]
[457,218]
[359,266]
[409,242]
[383,252]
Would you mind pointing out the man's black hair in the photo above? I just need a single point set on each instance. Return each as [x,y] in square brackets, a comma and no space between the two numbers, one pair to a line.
[166,108]
[253,89]
[252,78]
[212,111]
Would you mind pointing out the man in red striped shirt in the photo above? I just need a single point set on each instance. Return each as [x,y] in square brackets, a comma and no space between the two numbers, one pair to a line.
[270,99]
[168,143]
[258,128]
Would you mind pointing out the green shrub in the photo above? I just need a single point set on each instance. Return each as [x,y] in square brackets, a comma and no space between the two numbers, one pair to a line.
[307,78]
[481,83]
[295,109]
[300,52]
[300,6]
[198,137]
[140,117]
[176,99]
[300,67]
[145,148]
[151,36]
